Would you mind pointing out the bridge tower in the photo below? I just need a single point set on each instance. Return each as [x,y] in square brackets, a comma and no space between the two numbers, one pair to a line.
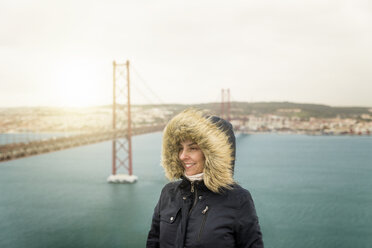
[225,104]
[121,120]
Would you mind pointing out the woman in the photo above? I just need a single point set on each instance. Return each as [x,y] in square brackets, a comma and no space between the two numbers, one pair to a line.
[206,208]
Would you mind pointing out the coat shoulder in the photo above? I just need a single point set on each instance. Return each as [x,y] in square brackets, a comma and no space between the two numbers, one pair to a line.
[240,195]
[172,185]
[170,188]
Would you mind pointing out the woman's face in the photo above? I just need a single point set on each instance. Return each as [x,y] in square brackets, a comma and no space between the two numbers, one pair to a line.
[192,157]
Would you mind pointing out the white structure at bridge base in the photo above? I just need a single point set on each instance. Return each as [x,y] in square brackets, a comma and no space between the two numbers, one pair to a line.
[122,178]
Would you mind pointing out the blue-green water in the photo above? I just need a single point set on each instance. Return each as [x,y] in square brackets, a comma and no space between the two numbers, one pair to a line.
[310,191]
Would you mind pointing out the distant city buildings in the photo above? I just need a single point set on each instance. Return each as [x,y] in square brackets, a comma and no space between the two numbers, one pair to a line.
[318,126]
[58,120]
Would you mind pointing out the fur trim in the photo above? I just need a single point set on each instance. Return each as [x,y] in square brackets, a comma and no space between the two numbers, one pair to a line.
[192,125]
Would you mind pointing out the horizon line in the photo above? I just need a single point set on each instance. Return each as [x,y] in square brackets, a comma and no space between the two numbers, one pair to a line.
[160,104]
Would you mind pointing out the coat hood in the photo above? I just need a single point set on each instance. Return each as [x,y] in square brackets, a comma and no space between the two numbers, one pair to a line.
[215,138]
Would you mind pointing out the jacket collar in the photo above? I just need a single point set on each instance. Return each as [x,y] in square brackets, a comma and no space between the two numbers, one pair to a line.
[185,185]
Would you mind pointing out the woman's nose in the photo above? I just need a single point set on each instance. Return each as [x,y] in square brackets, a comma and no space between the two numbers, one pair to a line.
[183,155]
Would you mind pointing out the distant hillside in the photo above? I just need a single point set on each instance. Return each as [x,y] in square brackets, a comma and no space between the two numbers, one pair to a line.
[303,111]
[290,109]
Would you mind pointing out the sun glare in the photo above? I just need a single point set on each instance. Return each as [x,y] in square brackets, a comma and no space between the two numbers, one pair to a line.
[77,83]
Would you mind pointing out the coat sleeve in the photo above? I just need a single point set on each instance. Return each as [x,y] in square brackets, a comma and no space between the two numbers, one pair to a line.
[153,236]
[247,229]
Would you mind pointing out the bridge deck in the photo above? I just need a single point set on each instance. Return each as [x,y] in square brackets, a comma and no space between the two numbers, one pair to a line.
[20,150]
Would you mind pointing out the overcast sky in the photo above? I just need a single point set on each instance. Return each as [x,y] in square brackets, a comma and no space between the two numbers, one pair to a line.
[60,53]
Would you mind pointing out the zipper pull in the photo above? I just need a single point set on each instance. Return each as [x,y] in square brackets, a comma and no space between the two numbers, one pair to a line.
[205,210]
[192,187]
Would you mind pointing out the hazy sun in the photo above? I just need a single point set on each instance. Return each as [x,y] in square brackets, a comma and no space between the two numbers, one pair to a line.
[78,83]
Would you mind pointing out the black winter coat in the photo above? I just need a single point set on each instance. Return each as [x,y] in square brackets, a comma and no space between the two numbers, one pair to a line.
[190,215]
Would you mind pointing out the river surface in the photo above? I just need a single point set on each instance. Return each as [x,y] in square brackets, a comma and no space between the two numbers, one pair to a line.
[309,191]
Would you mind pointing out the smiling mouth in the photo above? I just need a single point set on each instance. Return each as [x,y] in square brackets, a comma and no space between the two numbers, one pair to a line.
[189,165]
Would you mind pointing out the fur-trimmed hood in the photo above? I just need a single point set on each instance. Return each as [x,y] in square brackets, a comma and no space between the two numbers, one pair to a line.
[215,138]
